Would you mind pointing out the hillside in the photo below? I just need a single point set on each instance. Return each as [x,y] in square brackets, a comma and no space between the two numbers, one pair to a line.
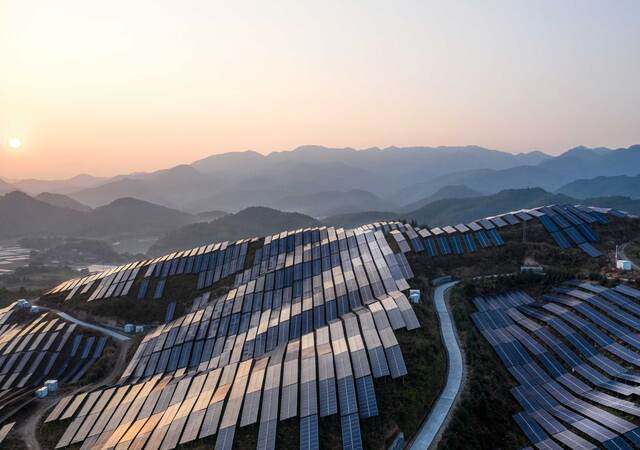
[451,191]
[322,204]
[65,186]
[622,185]
[173,188]
[453,211]
[208,216]
[5,187]
[250,222]
[62,201]
[549,174]
[352,220]
[22,215]
[583,162]
[132,216]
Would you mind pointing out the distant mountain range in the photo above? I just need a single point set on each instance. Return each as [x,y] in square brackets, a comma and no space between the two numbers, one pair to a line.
[622,185]
[62,201]
[452,211]
[22,215]
[453,191]
[256,221]
[322,182]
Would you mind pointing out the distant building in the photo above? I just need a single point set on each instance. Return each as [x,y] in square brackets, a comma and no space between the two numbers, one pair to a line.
[42,392]
[51,385]
[623,264]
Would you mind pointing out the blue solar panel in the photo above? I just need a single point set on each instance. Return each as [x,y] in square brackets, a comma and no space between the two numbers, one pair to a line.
[309,433]
[455,243]
[634,436]
[367,404]
[307,321]
[331,310]
[483,239]
[590,250]
[588,232]
[495,237]
[548,224]
[469,242]
[560,221]
[396,363]
[575,235]
[143,288]
[171,308]
[417,245]
[351,437]
[347,396]
[561,240]
[430,247]
[601,218]
[159,288]
[327,397]
[443,245]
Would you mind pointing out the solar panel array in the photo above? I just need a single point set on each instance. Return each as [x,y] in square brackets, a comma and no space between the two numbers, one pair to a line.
[210,263]
[41,347]
[575,354]
[303,333]
[569,226]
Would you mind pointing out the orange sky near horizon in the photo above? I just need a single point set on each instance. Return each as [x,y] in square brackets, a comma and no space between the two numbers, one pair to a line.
[116,87]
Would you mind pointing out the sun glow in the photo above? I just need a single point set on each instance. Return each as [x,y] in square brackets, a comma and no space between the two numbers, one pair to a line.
[15,143]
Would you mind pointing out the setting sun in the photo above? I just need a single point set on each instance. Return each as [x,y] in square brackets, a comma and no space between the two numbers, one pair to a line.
[15,143]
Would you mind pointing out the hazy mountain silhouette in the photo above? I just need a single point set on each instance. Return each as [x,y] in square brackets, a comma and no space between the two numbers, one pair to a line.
[62,201]
[621,185]
[452,191]
[250,222]
[65,186]
[23,215]
[396,176]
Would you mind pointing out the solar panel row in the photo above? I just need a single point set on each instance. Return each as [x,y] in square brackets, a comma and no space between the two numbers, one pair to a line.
[569,407]
[277,347]
[38,347]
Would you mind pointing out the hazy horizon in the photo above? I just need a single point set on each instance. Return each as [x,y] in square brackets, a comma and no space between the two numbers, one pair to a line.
[121,87]
[266,153]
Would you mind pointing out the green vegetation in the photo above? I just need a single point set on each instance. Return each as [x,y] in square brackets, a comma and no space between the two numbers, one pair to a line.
[622,185]
[37,277]
[250,222]
[485,405]
[403,403]
[62,250]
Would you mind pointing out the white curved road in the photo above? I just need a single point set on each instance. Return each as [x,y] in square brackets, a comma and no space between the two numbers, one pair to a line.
[109,332]
[430,429]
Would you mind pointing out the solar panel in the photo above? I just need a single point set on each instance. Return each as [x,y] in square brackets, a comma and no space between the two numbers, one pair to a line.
[469,242]
[367,405]
[351,435]
[309,439]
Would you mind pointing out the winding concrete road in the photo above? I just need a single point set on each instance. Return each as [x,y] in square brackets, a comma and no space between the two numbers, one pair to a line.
[431,429]
[100,329]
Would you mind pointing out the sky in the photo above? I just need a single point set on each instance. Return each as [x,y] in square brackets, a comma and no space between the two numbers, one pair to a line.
[137,85]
